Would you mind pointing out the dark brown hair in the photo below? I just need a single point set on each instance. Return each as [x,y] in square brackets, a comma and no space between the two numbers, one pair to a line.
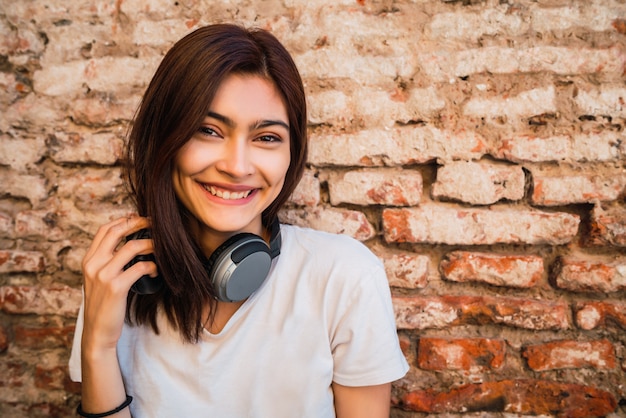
[173,108]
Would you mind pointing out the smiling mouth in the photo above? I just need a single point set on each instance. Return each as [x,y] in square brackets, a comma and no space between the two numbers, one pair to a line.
[226,194]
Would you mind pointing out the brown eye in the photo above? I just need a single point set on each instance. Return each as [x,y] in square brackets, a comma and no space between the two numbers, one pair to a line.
[205,130]
[269,138]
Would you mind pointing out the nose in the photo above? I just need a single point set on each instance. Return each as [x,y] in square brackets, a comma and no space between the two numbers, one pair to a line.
[236,159]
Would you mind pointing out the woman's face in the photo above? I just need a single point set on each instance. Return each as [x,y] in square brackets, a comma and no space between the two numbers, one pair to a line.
[234,166]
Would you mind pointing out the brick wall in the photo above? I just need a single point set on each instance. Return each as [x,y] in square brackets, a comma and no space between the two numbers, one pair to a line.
[476,146]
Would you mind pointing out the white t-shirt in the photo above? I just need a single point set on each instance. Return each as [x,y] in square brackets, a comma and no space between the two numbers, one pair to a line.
[323,315]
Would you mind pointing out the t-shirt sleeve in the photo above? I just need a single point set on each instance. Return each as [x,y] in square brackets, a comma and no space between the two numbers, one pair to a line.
[74,363]
[364,340]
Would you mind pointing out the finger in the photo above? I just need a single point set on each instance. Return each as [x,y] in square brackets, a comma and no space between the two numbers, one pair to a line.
[110,235]
[122,281]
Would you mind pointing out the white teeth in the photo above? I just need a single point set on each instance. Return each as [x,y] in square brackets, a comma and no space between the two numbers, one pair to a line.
[226,195]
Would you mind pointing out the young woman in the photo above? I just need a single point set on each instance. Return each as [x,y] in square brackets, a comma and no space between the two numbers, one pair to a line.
[239,316]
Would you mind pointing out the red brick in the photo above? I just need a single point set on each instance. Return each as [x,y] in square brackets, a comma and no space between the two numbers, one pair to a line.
[466,354]
[70,147]
[307,193]
[592,315]
[4,339]
[569,354]
[43,337]
[395,147]
[404,269]
[41,300]
[39,225]
[50,378]
[598,147]
[339,221]
[591,276]
[443,224]
[444,65]
[530,397]
[446,311]
[522,271]
[479,183]
[607,226]
[376,187]
[14,261]
[559,189]
[13,373]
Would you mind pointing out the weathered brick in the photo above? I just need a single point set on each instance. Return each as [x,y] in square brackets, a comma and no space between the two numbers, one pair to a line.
[599,147]
[604,100]
[446,311]
[104,111]
[395,147]
[596,275]
[404,269]
[159,9]
[13,87]
[31,187]
[15,261]
[160,32]
[558,188]
[91,184]
[522,271]
[607,226]
[7,229]
[470,26]
[568,354]
[73,259]
[467,354]
[371,49]
[50,378]
[525,104]
[307,193]
[523,396]
[21,154]
[102,148]
[339,221]
[376,187]
[43,337]
[4,339]
[434,223]
[14,374]
[329,106]
[444,64]
[590,15]
[479,183]
[384,108]
[324,63]
[39,224]
[592,315]
[40,300]
[98,74]
[90,216]
[20,39]
[30,112]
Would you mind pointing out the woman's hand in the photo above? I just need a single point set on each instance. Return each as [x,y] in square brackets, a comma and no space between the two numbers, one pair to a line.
[107,284]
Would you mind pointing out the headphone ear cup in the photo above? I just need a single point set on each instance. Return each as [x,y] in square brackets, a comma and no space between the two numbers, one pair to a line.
[238,267]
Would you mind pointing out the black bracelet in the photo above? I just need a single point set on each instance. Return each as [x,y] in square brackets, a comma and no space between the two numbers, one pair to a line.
[79,409]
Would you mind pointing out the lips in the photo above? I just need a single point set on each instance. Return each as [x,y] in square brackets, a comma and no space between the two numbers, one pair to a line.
[227,194]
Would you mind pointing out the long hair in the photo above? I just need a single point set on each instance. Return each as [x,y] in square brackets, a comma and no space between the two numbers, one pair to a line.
[173,107]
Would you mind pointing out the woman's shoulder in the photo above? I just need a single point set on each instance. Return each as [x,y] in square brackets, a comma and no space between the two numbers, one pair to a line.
[331,247]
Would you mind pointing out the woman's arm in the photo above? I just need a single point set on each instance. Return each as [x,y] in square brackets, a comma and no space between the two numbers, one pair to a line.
[362,401]
[106,288]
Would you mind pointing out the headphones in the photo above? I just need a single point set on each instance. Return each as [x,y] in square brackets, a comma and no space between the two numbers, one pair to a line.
[236,269]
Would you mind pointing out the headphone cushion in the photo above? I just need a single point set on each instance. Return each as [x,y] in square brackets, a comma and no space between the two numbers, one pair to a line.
[239,266]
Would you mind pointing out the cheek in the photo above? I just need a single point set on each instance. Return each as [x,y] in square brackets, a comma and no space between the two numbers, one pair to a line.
[190,159]
[278,169]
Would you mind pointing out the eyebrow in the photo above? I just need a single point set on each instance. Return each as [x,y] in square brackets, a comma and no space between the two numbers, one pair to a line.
[255,125]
